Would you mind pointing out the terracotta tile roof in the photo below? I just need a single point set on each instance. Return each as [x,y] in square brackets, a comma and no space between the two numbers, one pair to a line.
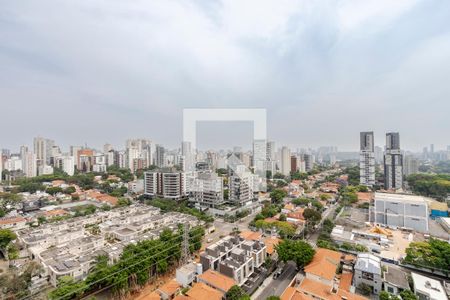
[291,293]
[297,214]
[182,297]
[288,293]
[270,243]
[365,197]
[107,198]
[251,235]
[346,281]
[296,181]
[58,182]
[170,288]
[202,291]
[102,197]
[289,206]
[217,280]
[324,263]
[6,221]
[55,212]
[152,296]
[270,220]
[323,291]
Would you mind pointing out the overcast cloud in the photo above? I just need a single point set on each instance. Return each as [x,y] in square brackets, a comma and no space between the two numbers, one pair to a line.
[103,71]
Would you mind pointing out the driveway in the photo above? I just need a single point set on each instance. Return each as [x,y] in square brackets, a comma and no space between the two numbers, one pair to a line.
[271,287]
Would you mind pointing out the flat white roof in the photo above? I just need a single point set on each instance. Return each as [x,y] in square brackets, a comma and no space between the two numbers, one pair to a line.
[399,197]
[429,286]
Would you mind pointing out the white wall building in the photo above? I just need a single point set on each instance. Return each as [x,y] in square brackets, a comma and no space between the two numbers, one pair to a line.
[427,288]
[285,161]
[398,210]
[368,271]
[206,190]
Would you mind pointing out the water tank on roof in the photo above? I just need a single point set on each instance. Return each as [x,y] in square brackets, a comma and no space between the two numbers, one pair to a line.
[199,269]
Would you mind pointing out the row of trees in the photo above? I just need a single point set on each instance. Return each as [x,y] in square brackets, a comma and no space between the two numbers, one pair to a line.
[167,205]
[436,186]
[136,266]
[404,295]
[297,251]
[434,254]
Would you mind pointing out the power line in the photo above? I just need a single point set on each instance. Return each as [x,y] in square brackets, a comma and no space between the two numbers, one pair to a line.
[121,270]
[128,259]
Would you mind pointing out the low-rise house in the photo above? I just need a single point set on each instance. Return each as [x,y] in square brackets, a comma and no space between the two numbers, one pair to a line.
[323,266]
[217,281]
[169,290]
[186,274]
[368,271]
[395,280]
[202,291]
[427,288]
[321,281]
[70,247]
[14,223]
[234,257]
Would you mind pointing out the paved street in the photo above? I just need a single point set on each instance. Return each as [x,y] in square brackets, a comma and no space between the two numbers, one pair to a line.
[224,228]
[327,214]
[276,287]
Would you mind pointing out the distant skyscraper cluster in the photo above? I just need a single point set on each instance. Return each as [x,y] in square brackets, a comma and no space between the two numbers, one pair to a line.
[392,161]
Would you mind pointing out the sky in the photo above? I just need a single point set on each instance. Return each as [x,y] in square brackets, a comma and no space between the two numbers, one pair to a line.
[103,71]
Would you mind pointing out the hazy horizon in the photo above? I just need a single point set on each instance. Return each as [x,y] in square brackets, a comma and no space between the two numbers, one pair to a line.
[104,71]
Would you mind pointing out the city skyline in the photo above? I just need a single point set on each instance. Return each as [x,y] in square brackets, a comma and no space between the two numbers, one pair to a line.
[246,145]
[323,70]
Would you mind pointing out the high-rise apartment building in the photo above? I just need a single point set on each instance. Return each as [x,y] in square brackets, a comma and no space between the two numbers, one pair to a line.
[43,150]
[1,166]
[160,156]
[206,190]
[188,157]
[259,157]
[240,188]
[167,183]
[285,161]
[367,159]
[85,160]
[29,162]
[410,165]
[294,163]
[66,163]
[393,162]
[309,161]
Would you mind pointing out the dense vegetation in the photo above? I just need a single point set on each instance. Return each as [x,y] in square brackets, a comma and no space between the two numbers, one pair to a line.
[167,205]
[405,295]
[435,186]
[434,254]
[284,229]
[297,251]
[137,264]
[15,283]
[236,293]
[277,195]
[353,175]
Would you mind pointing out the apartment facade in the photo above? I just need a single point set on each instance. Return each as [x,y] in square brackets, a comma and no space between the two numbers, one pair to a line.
[393,162]
[368,271]
[234,257]
[169,184]
[367,159]
[206,189]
